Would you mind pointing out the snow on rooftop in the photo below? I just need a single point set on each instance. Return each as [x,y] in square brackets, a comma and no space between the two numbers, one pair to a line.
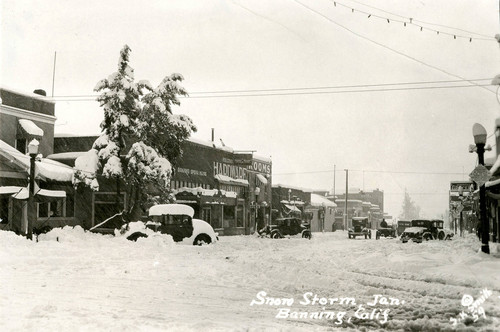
[318,200]
[66,155]
[278,185]
[27,94]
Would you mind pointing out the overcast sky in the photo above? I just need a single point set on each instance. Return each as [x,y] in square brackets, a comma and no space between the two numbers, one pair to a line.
[246,45]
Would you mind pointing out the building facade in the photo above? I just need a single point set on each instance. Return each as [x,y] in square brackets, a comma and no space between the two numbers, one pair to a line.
[229,190]
[25,117]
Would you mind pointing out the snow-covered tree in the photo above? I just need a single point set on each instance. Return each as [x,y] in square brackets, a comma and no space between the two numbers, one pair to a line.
[141,116]
[409,209]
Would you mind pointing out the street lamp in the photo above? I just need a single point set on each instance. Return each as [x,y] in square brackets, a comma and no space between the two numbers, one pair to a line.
[480,134]
[33,152]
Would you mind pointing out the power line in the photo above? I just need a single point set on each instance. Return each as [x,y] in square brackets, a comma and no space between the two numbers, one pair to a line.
[310,93]
[410,21]
[309,88]
[385,46]
[371,171]
[428,23]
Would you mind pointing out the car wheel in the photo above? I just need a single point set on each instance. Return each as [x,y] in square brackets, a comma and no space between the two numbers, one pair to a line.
[441,236]
[135,236]
[370,235]
[427,237]
[306,235]
[377,236]
[202,239]
[275,235]
[366,236]
[349,235]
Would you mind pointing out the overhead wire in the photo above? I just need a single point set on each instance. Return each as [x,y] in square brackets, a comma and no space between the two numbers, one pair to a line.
[386,47]
[424,22]
[298,91]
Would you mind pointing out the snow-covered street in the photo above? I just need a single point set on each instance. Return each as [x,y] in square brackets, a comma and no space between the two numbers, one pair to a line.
[93,282]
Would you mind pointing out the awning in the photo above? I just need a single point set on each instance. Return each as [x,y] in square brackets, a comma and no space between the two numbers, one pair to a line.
[22,192]
[292,208]
[30,128]
[231,181]
[262,178]
[46,169]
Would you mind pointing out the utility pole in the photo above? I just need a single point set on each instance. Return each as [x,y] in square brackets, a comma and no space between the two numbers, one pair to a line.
[346,194]
[334,168]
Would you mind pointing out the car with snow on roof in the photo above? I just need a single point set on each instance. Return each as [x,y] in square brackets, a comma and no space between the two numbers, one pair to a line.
[173,219]
[360,227]
[414,234]
[288,226]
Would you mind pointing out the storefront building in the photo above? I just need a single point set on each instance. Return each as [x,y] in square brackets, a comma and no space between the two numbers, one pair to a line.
[229,190]
[25,117]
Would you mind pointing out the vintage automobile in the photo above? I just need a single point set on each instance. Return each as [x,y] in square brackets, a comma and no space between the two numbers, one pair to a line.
[387,232]
[415,234]
[173,219]
[360,227]
[402,225]
[287,226]
[434,229]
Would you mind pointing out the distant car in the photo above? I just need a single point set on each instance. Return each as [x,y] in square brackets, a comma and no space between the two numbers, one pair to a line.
[175,220]
[387,232]
[360,227]
[287,226]
[434,229]
[415,234]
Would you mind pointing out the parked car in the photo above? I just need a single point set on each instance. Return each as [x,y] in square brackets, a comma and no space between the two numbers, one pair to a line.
[415,234]
[402,225]
[360,227]
[287,226]
[173,219]
[434,229]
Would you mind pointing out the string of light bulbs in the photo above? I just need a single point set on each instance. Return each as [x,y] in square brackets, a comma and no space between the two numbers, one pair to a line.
[410,21]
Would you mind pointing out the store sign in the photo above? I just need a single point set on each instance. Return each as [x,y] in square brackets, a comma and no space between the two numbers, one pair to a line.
[261,167]
[233,171]
[189,171]
[480,175]
[455,186]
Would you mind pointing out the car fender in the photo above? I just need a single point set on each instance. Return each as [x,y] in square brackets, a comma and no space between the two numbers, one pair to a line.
[200,227]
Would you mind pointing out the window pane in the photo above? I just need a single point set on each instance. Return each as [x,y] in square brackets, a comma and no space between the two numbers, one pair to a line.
[70,205]
[43,210]
[21,145]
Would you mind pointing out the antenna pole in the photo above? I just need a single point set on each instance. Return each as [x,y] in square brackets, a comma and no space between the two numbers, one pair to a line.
[54,73]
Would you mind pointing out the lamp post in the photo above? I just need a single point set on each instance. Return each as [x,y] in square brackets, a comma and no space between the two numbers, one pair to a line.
[479,134]
[461,196]
[33,152]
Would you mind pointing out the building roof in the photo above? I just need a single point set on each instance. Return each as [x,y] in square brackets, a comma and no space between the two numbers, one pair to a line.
[318,200]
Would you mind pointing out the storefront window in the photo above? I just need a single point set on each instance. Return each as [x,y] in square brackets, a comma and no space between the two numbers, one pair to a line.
[229,216]
[206,215]
[239,216]
[105,206]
